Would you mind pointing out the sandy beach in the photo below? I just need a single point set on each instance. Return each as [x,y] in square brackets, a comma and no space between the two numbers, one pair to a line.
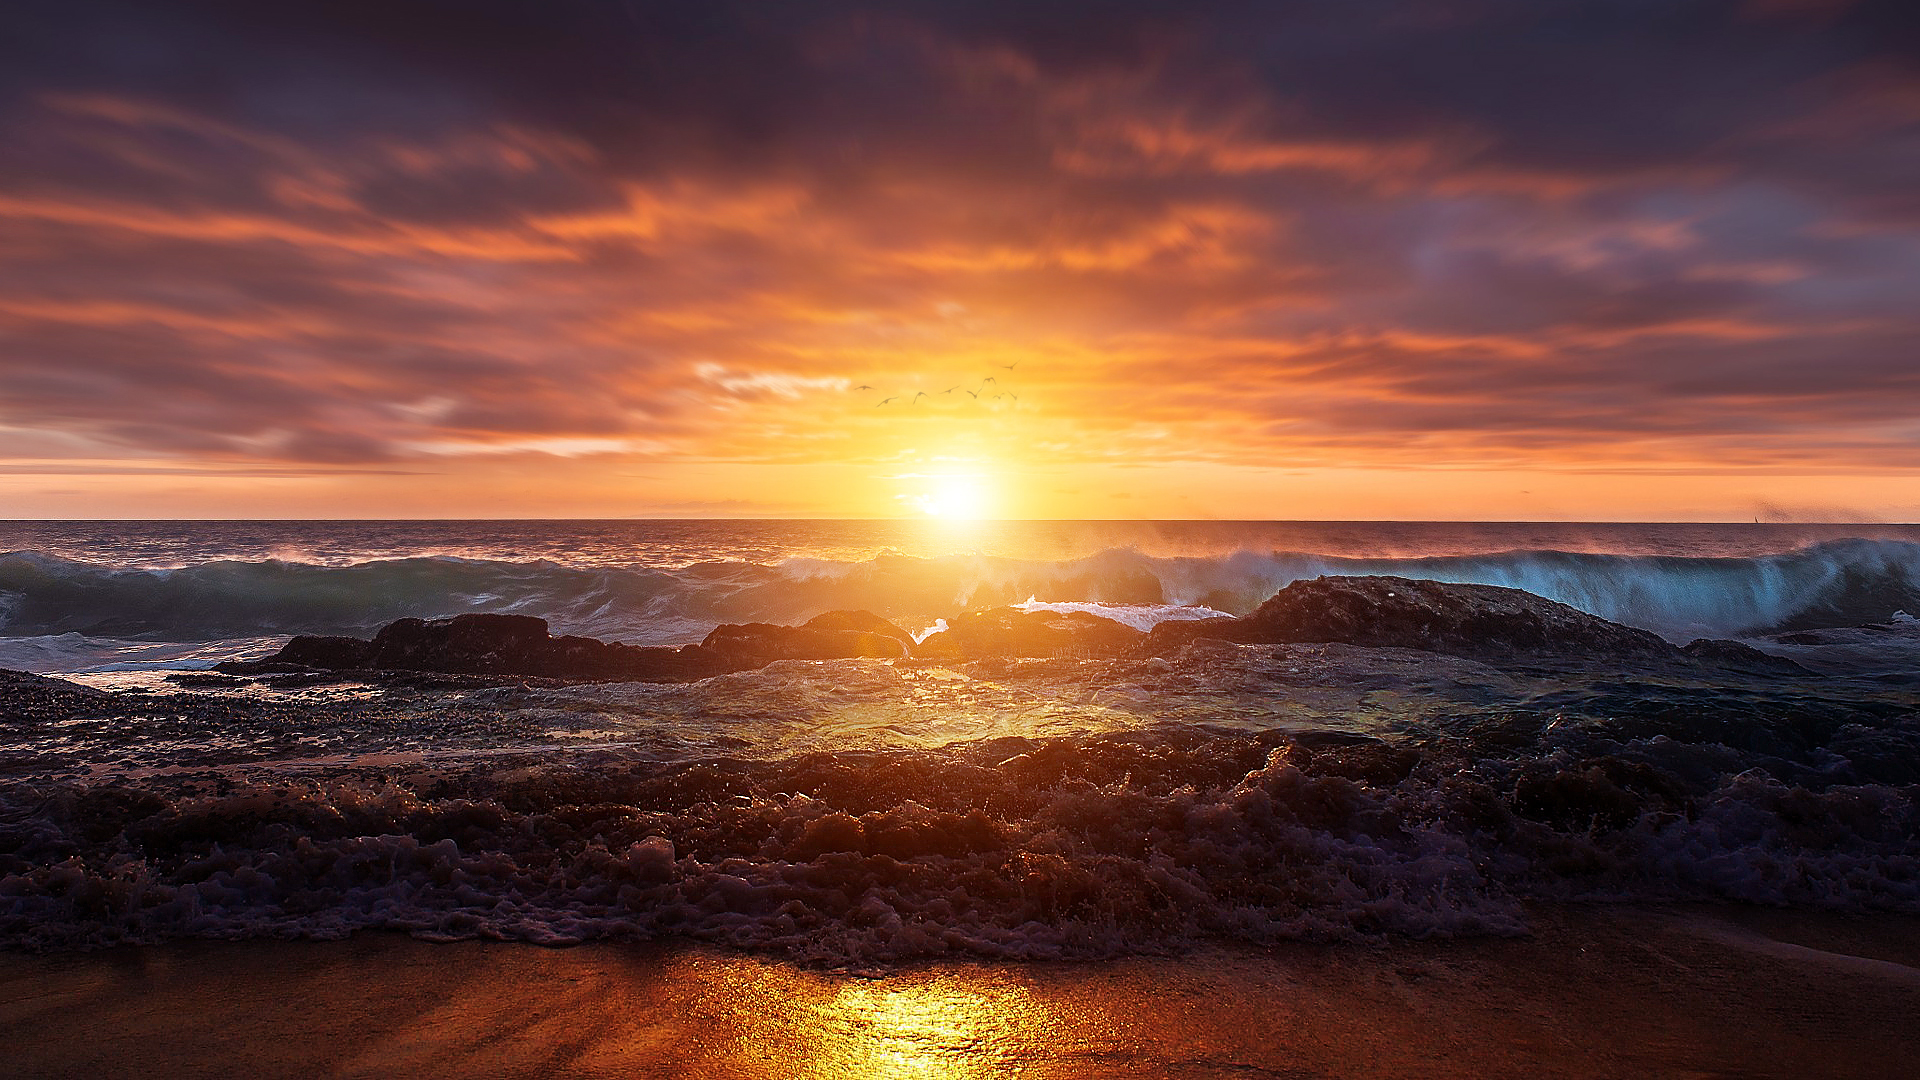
[1620,992]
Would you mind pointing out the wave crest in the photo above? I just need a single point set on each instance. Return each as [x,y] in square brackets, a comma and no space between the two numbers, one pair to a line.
[1837,583]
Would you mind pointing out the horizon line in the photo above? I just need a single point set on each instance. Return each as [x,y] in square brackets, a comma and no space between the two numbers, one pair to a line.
[955,525]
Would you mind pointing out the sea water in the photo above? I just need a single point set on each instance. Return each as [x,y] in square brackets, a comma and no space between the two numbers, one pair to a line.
[866,810]
[77,596]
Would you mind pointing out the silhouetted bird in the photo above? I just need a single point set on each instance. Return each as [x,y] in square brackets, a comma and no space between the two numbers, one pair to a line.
[974,394]
[1008,367]
[863,386]
[951,389]
[917,397]
[883,401]
[989,379]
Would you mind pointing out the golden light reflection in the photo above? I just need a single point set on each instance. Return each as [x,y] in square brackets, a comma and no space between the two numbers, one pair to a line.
[943,1029]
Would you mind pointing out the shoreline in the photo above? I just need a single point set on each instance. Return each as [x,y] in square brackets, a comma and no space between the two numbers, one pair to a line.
[1629,991]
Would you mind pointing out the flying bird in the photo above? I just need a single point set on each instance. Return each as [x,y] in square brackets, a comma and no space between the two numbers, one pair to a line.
[974,394]
[951,389]
[989,379]
[917,397]
[863,386]
[883,401]
[1008,367]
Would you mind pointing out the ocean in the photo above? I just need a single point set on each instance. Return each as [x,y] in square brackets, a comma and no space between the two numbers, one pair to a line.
[88,596]
[874,811]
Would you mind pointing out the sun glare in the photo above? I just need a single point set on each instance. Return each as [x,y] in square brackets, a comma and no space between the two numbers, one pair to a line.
[944,1028]
[954,498]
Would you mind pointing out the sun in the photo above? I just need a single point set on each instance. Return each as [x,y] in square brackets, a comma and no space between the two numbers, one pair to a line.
[954,498]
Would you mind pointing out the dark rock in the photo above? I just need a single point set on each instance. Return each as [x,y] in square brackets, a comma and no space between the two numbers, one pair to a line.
[327,652]
[1009,632]
[863,621]
[1740,657]
[492,645]
[1476,621]
[473,644]
[1217,628]
[305,652]
[27,692]
[833,636]
[520,646]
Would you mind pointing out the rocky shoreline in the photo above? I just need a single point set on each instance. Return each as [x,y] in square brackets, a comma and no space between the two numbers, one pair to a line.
[1478,622]
[1358,757]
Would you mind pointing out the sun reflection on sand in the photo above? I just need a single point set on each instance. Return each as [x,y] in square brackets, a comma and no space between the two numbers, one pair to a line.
[935,1029]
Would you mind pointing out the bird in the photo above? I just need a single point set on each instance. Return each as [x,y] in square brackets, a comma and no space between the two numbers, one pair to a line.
[989,379]
[951,389]
[1008,367]
[883,401]
[1013,395]
[917,397]
[974,394]
[863,386]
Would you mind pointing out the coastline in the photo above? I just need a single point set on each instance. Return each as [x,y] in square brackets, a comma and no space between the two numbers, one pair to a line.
[1630,991]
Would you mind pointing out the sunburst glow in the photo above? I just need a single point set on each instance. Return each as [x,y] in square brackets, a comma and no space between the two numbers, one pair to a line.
[955,498]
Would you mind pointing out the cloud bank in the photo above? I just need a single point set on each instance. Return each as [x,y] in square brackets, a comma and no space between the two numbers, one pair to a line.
[1485,234]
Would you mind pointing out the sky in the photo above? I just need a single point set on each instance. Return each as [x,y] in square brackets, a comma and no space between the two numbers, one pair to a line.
[1480,259]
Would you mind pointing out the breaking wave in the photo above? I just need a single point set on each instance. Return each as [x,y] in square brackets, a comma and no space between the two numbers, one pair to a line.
[1837,583]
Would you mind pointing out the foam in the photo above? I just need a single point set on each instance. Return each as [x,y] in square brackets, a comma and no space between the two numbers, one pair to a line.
[1087,846]
[1139,616]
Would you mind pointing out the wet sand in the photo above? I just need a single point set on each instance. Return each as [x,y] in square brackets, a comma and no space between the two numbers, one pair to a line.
[1614,992]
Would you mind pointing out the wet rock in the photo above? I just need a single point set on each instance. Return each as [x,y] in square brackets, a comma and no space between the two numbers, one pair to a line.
[25,695]
[863,621]
[1484,622]
[832,636]
[327,652]
[472,644]
[1010,632]
[1740,657]
[494,645]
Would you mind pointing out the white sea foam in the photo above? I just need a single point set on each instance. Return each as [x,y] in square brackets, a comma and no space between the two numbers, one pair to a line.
[1139,616]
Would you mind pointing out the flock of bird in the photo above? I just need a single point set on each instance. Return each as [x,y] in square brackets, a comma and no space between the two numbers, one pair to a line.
[978,393]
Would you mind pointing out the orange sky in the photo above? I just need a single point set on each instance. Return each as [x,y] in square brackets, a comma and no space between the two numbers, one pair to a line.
[330,262]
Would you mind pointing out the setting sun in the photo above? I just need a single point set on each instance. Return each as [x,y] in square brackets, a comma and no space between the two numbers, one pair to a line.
[957,498]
